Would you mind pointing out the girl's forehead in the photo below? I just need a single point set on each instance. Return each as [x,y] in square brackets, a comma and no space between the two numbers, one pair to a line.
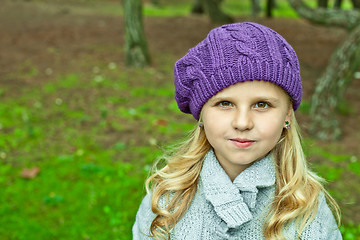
[252,88]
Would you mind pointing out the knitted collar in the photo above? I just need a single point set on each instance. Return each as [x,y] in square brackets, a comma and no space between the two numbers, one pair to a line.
[233,201]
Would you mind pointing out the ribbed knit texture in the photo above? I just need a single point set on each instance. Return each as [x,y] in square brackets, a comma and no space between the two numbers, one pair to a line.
[235,53]
[223,209]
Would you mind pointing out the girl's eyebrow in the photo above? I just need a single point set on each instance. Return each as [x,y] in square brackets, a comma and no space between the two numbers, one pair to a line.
[255,99]
[218,99]
[267,99]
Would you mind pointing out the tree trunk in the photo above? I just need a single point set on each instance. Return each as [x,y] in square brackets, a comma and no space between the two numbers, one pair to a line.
[338,4]
[255,8]
[155,2]
[198,7]
[356,4]
[269,6]
[330,17]
[212,7]
[136,50]
[322,3]
[330,87]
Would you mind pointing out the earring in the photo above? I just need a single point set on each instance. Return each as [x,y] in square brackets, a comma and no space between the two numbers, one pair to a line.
[201,124]
[287,125]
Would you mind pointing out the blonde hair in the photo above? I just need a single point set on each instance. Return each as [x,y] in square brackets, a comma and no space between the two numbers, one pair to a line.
[174,186]
[297,189]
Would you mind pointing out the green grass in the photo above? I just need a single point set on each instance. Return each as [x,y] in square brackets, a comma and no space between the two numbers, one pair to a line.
[234,8]
[172,10]
[94,142]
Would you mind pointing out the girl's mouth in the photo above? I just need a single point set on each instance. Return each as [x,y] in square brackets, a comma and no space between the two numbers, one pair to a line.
[242,143]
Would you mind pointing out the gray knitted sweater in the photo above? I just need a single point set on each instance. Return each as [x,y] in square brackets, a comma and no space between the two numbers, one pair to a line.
[222,209]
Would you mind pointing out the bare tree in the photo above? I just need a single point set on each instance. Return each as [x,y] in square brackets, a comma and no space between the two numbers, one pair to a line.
[337,3]
[155,2]
[197,7]
[269,7]
[136,49]
[356,4]
[330,87]
[255,8]
[322,3]
[213,9]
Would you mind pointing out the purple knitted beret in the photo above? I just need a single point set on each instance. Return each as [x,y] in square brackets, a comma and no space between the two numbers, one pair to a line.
[235,53]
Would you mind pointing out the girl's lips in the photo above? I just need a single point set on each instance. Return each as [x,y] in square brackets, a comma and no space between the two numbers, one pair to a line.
[242,143]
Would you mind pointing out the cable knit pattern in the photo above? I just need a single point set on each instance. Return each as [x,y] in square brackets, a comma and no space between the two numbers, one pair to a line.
[235,53]
[223,209]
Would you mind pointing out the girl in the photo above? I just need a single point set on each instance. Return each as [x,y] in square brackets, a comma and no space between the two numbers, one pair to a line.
[242,174]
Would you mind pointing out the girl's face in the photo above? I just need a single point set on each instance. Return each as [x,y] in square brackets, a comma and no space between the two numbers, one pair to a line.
[244,122]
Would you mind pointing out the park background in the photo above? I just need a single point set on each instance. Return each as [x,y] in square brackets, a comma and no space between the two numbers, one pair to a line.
[79,130]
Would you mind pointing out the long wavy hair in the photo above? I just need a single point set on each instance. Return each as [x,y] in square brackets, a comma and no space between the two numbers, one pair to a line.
[173,187]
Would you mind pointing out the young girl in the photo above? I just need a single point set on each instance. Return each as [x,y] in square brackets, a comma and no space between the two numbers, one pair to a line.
[242,174]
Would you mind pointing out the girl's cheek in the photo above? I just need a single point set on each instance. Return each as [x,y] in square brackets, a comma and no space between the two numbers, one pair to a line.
[270,126]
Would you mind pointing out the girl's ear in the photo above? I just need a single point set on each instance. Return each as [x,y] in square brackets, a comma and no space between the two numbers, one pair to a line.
[289,113]
[288,117]
[290,110]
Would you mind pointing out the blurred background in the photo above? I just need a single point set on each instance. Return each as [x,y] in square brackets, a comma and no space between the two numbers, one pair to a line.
[87,103]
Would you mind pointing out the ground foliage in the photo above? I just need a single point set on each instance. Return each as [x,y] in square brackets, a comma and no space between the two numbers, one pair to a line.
[79,131]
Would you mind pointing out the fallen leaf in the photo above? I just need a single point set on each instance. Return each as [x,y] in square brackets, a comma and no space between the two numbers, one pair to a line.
[161,122]
[30,172]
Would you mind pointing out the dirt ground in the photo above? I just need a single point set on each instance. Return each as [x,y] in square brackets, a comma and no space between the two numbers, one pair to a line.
[55,38]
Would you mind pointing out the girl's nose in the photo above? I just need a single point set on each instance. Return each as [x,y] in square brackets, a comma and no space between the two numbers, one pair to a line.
[242,120]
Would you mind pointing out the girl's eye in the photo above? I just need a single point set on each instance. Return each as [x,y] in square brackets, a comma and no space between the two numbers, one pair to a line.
[261,105]
[225,104]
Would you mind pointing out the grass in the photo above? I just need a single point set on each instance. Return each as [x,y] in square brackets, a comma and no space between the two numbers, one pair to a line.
[93,159]
[231,7]
[173,8]
[164,9]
